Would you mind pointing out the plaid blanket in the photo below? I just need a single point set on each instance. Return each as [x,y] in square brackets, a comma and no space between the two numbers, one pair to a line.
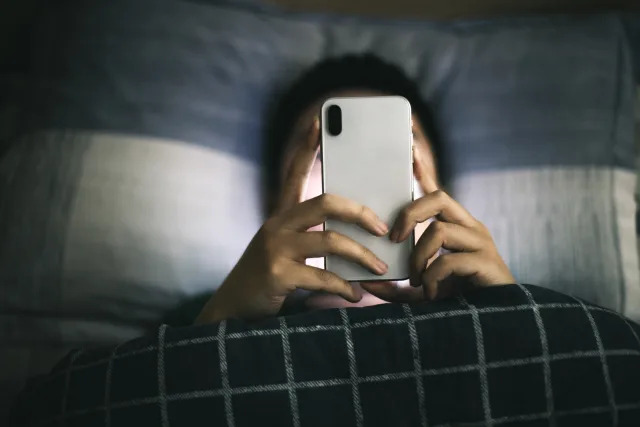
[511,355]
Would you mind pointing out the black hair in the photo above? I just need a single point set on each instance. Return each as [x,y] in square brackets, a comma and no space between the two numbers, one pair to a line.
[364,71]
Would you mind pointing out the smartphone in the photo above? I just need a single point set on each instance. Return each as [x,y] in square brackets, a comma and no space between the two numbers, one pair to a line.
[366,151]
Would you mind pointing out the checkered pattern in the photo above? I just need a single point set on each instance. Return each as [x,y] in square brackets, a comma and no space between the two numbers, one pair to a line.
[512,355]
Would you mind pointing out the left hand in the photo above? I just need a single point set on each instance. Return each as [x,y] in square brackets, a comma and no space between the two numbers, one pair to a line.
[474,256]
[474,260]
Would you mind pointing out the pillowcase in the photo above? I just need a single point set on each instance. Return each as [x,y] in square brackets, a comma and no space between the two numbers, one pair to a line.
[132,178]
[546,164]
[632,25]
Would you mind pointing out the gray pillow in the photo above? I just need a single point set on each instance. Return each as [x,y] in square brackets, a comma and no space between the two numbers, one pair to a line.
[544,155]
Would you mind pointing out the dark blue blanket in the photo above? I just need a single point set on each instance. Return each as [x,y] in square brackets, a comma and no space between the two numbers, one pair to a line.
[511,355]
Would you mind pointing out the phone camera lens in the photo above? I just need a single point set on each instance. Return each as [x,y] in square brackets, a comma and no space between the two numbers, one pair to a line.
[334,120]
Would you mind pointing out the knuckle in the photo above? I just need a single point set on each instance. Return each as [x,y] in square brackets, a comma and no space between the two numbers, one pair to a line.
[326,201]
[277,269]
[330,238]
[271,244]
[364,211]
[483,228]
[440,195]
[405,216]
[438,228]
[442,263]
[367,212]
[324,276]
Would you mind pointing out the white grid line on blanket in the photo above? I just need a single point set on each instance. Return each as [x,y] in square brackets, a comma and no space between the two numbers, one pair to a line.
[243,390]
[107,388]
[162,384]
[482,365]
[63,403]
[501,420]
[224,374]
[353,368]
[520,418]
[633,331]
[322,328]
[546,365]
[603,361]
[330,383]
[598,409]
[417,363]
[288,366]
[545,415]
[293,330]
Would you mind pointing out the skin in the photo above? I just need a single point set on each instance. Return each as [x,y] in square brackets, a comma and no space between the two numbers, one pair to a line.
[280,258]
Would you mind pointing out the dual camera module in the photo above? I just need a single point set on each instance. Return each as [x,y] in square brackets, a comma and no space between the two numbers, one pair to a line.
[334,120]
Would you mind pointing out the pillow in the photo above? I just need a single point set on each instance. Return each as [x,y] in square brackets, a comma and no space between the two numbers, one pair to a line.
[638,163]
[503,355]
[546,164]
[632,25]
[132,180]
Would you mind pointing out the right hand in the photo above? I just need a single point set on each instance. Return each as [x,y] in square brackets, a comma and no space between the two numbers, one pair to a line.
[273,265]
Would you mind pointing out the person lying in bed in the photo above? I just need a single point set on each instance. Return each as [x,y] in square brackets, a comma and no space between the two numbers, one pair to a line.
[274,266]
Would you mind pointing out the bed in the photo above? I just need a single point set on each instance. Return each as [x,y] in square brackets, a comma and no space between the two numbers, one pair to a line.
[120,137]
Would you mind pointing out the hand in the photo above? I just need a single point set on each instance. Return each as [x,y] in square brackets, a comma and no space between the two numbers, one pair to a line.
[474,256]
[474,260]
[273,265]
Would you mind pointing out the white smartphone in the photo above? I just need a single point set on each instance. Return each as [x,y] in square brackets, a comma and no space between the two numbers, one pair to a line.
[366,149]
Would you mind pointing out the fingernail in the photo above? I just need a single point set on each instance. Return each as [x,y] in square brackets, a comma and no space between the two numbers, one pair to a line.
[381,267]
[382,228]
[394,235]
[357,295]
[316,123]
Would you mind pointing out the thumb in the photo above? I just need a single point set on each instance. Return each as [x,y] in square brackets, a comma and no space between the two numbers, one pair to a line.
[424,175]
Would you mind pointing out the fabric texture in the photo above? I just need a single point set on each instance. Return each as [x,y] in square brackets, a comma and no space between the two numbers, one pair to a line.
[130,173]
[638,165]
[632,25]
[510,355]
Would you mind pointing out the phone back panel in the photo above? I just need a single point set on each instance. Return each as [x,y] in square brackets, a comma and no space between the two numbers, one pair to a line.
[370,162]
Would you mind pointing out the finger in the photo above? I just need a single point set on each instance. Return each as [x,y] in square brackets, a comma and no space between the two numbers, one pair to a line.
[393,292]
[453,286]
[444,235]
[437,203]
[423,174]
[316,279]
[459,264]
[322,243]
[297,175]
[317,210]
